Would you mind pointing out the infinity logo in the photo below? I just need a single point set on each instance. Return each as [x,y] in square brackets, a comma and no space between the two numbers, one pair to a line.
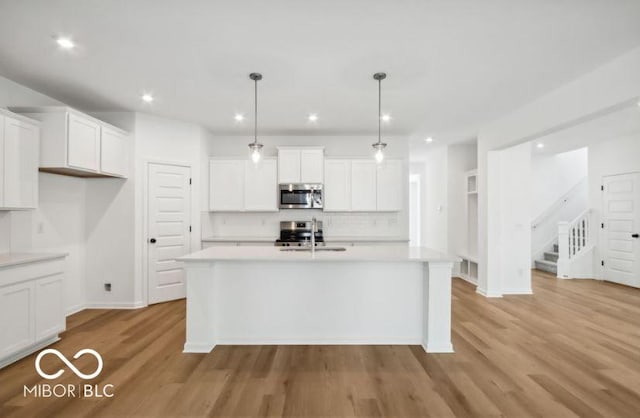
[68,363]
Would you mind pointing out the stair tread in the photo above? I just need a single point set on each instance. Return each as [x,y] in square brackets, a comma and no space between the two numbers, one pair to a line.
[547,262]
[552,253]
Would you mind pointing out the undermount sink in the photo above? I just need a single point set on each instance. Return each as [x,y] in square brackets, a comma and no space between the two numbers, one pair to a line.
[317,249]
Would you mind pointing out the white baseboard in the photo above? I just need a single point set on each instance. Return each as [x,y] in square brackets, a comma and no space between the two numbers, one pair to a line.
[117,305]
[467,279]
[517,292]
[364,340]
[75,309]
[29,350]
[198,347]
[486,294]
[437,348]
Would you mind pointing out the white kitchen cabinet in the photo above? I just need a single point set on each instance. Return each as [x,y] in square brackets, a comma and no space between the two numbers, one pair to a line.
[337,185]
[390,186]
[49,308]
[288,166]
[83,143]
[226,185]
[300,165]
[260,186]
[76,144]
[239,185]
[31,304]
[363,186]
[113,152]
[311,165]
[17,311]
[19,143]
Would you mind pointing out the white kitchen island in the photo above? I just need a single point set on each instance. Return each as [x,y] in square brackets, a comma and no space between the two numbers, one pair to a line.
[363,295]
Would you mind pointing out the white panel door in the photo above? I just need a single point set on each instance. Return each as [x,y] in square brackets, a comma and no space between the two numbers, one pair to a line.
[311,166]
[50,314]
[363,185]
[337,185]
[83,143]
[226,185]
[114,156]
[621,213]
[169,223]
[17,327]
[21,156]
[390,186]
[261,186]
[288,166]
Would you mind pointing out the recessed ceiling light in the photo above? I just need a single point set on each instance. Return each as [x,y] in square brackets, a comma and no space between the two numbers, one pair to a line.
[147,98]
[65,43]
[540,145]
[313,117]
[428,140]
[239,117]
[386,117]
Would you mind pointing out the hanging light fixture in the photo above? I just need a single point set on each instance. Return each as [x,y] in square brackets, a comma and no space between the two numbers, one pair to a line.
[255,147]
[379,146]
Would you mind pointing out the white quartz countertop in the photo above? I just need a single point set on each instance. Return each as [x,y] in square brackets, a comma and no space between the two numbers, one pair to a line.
[328,239]
[12,259]
[361,253]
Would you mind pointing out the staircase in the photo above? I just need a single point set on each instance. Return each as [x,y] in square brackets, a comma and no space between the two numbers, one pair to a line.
[550,261]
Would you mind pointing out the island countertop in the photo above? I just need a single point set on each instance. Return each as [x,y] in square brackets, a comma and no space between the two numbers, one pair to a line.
[360,253]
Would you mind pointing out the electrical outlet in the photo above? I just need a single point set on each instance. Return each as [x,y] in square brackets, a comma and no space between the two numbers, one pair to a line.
[107,287]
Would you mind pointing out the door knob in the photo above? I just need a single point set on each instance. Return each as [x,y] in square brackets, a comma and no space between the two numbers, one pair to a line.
[152,240]
[635,235]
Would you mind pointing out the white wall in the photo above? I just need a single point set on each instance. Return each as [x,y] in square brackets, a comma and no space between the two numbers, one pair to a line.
[163,140]
[615,84]
[461,159]
[58,223]
[611,157]
[334,224]
[553,175]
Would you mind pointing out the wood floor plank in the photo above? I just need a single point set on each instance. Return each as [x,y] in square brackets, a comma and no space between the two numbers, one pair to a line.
[570,349]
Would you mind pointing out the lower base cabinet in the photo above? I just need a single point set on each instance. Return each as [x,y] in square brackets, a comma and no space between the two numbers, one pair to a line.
[31,308]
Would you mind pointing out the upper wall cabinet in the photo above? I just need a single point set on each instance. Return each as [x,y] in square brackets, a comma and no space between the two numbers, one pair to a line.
[358,185]
[77,144]
[300,165]
[238,185]
[19,149]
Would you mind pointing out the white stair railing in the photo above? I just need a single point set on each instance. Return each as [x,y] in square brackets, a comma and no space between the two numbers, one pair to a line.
[573,238]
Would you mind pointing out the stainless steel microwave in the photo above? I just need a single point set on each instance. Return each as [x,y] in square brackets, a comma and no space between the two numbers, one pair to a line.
[300,196]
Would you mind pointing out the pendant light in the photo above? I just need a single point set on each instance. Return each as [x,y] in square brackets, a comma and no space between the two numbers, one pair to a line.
[255,147]
[379,146]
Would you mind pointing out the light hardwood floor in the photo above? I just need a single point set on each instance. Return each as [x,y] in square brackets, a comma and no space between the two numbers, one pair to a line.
[571,349]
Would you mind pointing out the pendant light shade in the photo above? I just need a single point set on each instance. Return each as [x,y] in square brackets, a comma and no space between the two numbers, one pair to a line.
[255,147]
[379,146]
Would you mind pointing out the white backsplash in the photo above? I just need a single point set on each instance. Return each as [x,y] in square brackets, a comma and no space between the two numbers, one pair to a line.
[334,224]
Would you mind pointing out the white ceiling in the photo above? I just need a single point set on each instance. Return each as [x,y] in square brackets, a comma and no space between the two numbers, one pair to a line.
[620,123]
[452,65]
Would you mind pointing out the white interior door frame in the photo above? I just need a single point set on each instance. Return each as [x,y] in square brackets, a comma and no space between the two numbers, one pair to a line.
[146,163]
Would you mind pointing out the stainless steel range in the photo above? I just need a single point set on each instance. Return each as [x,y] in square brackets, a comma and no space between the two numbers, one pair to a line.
[299,234]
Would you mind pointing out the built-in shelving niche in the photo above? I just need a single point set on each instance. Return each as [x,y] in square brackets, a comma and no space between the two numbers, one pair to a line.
[468,268]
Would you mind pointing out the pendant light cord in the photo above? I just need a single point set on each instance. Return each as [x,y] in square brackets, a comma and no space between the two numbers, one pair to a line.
[379,109]
[255,113]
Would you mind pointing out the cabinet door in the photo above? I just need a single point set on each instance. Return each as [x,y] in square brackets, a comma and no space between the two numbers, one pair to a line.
[226,185]
[288,166]
[17,328]
[311,166]
[390,186]
[363,185]
[83,143]
[49,311]
[337,185]
[21,143]
[261,186]
[114,156]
